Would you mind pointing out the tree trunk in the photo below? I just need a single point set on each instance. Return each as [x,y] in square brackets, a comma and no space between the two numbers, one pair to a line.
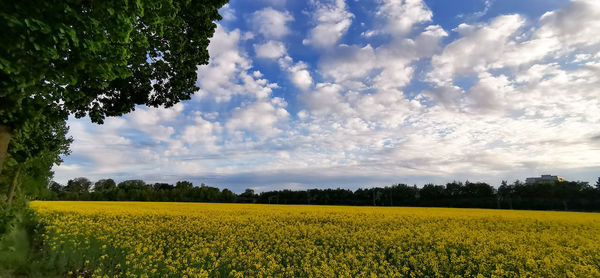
[14,186]
[5,135]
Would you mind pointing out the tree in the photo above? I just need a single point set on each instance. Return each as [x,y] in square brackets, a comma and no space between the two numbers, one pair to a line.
[55,187]
[78,185]
[432,192]
[36,147]
[105,185]
[598,184]
[227,196]
[248,193]
[184,185]
[98,58]
[132,185]
[163,186]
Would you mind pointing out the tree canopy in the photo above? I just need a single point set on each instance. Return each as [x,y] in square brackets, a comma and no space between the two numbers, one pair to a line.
[36,147]
[98,58]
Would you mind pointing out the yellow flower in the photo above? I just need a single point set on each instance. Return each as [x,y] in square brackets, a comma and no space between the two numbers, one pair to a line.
[238,240]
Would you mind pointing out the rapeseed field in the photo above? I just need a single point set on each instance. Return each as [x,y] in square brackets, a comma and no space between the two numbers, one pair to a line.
[135,239]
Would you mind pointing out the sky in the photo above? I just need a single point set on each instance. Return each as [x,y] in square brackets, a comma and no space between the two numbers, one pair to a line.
[350,94]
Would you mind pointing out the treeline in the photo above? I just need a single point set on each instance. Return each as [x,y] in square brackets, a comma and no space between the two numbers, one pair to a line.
[546,195]
[82,189]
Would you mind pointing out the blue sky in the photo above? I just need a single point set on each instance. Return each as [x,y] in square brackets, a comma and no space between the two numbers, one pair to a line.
[305,94]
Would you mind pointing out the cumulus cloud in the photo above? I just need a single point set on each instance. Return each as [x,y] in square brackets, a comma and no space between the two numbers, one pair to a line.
[203,132]
[349,63]
[402,15]
[154,121]
[270,49]
[477,51]
[228,71]
[260,117]
[332,21]
[227,13]
[298,72]
[576,25]
[271,23]
[505,42]
[387,67]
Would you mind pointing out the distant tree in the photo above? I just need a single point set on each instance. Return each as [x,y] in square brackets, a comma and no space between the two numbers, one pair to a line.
[184,185]
[598,184]
[132,185]
[163,186]
[432,192]
[55,187]
[105,185]
[455,189]
[78,185]
[478,190]
[402,194]
[227,196]
[248,193]
[248,196]
[377,194]
[98,58]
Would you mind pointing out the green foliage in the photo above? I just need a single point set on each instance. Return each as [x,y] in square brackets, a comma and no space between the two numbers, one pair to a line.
[35,148]
[18,240]
[100,58]
[105,185]
[78,185]
[184,185]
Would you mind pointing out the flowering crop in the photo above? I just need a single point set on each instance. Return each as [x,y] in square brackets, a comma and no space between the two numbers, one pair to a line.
[129,239]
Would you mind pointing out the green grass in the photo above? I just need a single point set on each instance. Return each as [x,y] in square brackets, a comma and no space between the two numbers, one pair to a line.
[20,245]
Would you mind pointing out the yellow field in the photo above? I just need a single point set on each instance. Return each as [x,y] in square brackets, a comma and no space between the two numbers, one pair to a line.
[129,239]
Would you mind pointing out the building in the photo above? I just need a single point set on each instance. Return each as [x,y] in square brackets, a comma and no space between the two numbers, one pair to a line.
[545,178]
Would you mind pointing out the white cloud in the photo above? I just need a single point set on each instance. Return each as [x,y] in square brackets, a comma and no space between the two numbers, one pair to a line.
[300,76]
[504,42]
[402,15]
[227,12]
[386,108]
[154,121]
[271,23]
[227,73]
[326,99]
[476,51]
[487,4]
[105,149]
[489,94]
[348,63]
[298,72]
[261,117]
[203,132]
[270,49]
[576,25]
[387,67]
[332,22]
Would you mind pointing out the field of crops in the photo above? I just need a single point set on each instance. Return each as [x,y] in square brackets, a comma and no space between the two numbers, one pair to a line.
[128,239]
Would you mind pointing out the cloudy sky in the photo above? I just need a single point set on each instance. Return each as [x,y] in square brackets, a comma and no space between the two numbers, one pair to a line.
[305,94]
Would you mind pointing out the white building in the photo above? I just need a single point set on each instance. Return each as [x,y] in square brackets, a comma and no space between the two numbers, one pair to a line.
[545,178]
